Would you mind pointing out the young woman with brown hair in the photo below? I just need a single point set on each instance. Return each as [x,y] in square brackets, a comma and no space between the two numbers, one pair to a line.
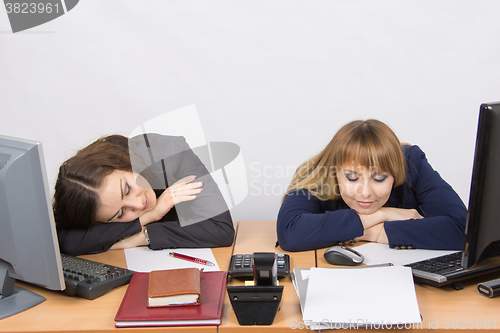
[149,190]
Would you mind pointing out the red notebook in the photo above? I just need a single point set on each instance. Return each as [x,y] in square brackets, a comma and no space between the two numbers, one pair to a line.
[134,312]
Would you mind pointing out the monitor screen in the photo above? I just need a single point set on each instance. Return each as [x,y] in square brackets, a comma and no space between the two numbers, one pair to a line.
[482,231]
[29,250]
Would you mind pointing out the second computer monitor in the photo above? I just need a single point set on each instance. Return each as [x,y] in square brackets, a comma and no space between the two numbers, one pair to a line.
[482,232]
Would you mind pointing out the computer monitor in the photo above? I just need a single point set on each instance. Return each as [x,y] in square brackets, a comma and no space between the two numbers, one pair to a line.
[29,250]
[482,231]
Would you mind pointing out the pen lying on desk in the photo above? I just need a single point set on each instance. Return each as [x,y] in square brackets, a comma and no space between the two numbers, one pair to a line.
[192,259]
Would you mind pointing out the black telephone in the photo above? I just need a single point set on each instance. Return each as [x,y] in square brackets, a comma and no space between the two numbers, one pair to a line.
[257,304]
[242,265]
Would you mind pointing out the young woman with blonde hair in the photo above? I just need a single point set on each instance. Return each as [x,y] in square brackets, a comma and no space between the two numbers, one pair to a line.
[366,185]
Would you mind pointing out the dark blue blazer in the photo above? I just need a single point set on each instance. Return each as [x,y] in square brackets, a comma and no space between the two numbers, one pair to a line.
[306,223]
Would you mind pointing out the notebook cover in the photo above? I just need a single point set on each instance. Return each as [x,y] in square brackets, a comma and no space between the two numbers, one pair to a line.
[134,311]
[164,284]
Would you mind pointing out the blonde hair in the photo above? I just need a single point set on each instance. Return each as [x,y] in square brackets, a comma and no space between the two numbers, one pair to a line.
[369,143]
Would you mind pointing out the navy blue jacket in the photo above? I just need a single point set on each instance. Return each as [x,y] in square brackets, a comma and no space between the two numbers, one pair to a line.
[306,223]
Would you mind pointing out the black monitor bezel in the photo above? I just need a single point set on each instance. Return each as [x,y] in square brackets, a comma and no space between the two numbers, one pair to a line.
[484,183]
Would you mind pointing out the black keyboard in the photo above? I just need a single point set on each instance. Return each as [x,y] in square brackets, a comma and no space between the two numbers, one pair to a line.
[91,279]
[446,269]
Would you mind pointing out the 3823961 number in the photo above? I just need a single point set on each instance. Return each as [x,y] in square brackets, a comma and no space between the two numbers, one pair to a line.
[470,324]
[31,8]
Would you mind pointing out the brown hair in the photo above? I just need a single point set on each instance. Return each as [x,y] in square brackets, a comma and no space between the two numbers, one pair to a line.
[370,143]
[75,198]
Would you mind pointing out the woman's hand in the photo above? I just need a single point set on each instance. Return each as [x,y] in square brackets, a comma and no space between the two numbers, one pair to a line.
[375,234]
[182,190]
[399,214]
[138,239]
[374,223]
[385,214]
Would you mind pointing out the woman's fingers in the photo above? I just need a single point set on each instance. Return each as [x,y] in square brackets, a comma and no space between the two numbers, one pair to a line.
[185,189]
[184,180]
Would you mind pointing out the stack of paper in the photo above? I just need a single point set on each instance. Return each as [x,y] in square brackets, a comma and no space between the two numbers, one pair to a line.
[377,297]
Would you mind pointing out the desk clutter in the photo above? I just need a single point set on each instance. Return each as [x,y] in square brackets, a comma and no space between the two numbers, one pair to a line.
[134,310]
[188,296]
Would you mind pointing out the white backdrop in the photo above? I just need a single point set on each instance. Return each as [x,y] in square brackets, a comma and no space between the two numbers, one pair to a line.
[278,78]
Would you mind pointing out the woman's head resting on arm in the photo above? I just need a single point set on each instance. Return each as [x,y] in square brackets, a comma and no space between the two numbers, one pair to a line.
[361,165]
[98,185]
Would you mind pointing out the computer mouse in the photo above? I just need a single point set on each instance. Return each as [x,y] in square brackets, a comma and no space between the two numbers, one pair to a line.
[342,255]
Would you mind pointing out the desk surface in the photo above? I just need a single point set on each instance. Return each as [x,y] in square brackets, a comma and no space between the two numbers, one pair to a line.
[60,313]
[441,308]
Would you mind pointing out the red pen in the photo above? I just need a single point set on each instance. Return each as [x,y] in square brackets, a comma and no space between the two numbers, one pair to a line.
[192,259]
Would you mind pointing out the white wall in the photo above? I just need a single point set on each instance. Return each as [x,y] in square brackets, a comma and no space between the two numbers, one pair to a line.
[278,78]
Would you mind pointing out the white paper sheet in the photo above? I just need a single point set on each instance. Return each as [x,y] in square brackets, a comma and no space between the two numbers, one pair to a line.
[142,259]
[300,279]
[373,297]
[375,254]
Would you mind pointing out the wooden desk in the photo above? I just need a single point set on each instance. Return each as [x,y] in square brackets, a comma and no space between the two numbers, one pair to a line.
[60,313]
[441,308]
